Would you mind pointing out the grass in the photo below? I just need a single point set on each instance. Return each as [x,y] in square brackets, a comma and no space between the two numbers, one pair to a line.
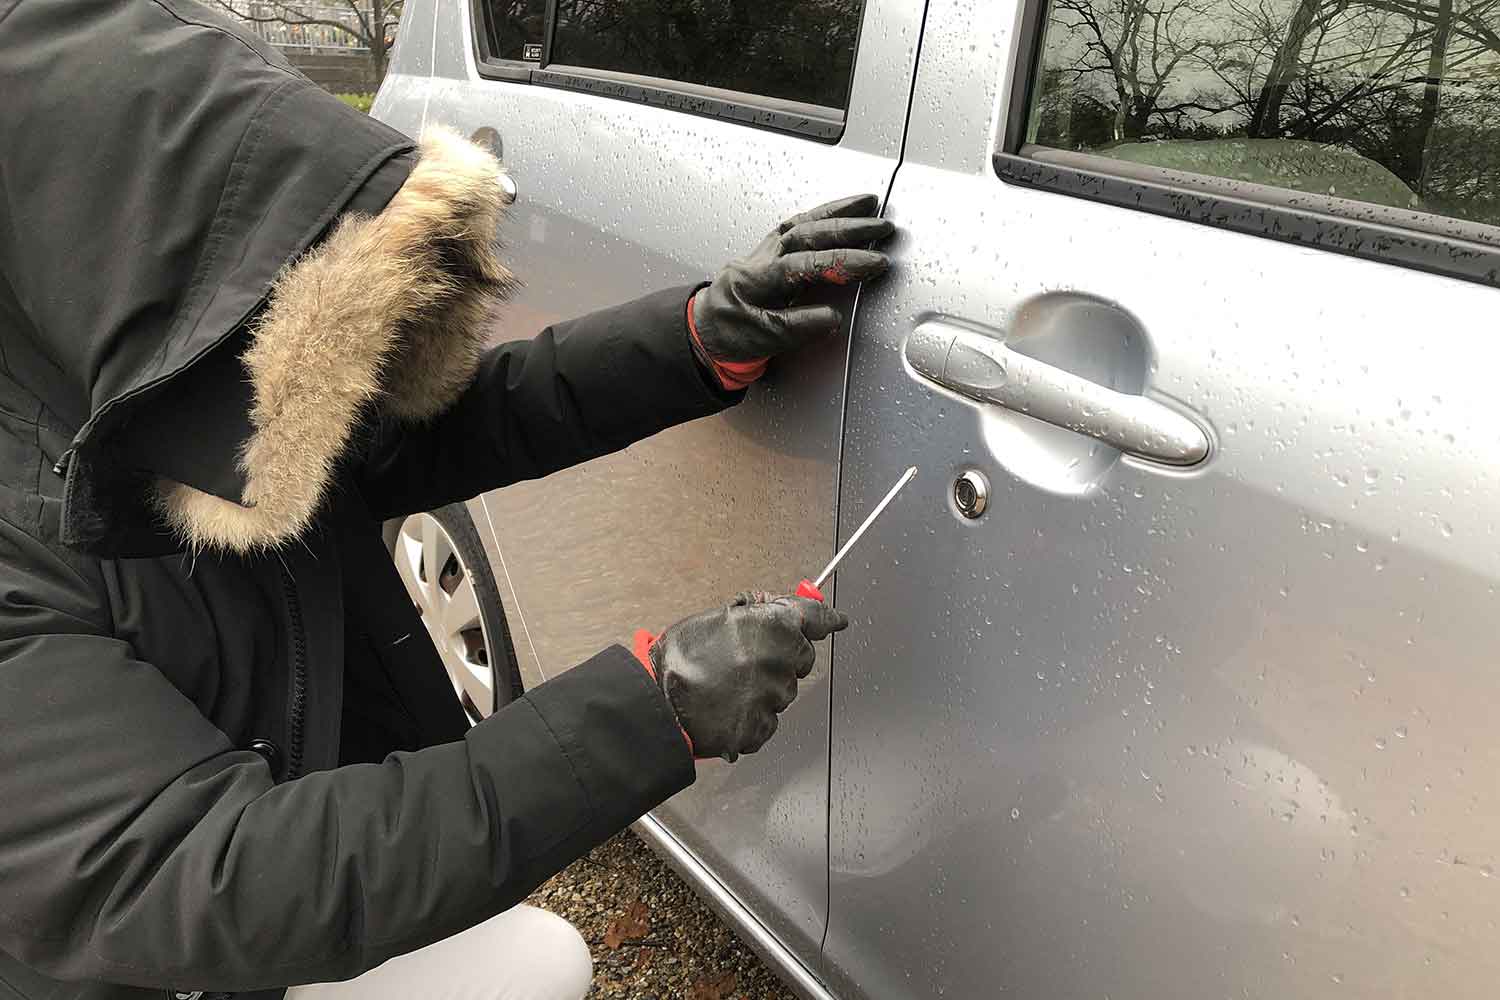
[360,102]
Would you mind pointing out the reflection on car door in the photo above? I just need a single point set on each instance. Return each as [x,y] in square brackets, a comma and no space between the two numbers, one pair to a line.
[1146,731]
[621,194]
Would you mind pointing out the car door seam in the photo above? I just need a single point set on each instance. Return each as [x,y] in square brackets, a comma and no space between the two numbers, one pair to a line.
[838,490]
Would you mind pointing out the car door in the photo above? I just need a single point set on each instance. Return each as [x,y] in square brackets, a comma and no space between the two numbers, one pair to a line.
[1202,703]
[629,182]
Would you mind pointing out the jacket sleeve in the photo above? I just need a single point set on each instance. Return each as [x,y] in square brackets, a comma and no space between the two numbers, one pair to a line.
[139,846]
[576,391]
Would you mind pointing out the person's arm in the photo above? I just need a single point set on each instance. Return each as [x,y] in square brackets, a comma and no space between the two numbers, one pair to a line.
[139,846]
[591,386]
[578,390]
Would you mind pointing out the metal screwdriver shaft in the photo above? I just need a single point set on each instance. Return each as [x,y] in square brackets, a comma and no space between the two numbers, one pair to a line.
[810,588]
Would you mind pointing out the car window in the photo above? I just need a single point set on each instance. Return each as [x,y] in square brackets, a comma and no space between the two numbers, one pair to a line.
[796,50]
[1391,102]
[516,28]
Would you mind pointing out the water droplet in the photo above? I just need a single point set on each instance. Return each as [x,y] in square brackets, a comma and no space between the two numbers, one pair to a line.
[1446,529]
[1380,743]
[1401,732]
[1337,978]
[1015,813]
[1371,475]
[1405,892]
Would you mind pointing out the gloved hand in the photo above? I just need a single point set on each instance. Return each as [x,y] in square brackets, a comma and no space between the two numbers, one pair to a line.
[729,672]
[750,312]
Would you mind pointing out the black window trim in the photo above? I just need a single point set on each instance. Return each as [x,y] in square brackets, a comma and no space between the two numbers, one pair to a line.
[493,67]
[812,121]
[1437,244]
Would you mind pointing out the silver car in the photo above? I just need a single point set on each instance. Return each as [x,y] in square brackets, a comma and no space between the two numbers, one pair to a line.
[1171,675]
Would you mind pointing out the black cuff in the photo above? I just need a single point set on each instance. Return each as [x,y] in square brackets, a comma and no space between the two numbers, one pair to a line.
[619,735]
[727,397]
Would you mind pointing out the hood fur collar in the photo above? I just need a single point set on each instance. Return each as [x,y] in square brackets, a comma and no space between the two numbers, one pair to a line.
[388,312]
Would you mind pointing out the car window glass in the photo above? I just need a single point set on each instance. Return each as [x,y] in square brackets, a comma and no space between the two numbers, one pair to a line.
[1393,102]
[516,28]
[797,50]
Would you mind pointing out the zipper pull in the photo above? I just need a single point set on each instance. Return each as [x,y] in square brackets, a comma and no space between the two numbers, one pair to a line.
[63,461]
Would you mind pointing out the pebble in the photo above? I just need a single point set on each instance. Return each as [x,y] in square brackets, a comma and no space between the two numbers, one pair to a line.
[688,953]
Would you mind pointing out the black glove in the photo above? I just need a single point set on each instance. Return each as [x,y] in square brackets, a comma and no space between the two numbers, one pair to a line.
[727,673]
[750,312]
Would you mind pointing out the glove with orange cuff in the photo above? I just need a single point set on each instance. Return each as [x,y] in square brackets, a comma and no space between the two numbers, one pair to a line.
[752,310]
[728,673]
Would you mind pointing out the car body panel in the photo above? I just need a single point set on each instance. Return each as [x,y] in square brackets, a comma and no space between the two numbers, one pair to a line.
[1145,733]
[1135,732]
[401,99]
[617,199]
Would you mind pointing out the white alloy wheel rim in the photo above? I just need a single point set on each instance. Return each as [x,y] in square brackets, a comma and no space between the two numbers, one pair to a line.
[442,587]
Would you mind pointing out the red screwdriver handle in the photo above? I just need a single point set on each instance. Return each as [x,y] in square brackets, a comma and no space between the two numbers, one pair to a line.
[808,589]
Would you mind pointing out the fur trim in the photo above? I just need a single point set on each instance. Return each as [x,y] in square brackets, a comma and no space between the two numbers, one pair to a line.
[405,293]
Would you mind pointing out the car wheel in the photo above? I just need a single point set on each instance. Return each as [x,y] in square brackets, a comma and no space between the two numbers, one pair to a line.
[442,562]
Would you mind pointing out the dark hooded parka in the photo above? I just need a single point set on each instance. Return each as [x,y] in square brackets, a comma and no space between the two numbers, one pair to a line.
[240,325]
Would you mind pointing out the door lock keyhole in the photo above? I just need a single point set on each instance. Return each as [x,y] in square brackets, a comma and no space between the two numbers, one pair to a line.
[971,493]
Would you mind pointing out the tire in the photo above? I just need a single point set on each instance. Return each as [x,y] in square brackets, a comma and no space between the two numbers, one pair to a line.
[444,543]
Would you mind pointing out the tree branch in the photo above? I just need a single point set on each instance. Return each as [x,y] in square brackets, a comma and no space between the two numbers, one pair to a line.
[292,17]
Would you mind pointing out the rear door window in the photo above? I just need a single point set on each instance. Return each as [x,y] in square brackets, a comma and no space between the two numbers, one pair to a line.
[1386,102]
[517,29]
[794,50]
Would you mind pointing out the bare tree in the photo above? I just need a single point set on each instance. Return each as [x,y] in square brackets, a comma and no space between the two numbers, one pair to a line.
[1142,47]
[1409,86]
[1413,146]
[1265,120]
[1453,37]
[1368,73]
[369,23]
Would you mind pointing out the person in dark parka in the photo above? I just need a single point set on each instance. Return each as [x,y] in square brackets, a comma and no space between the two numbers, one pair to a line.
[241,325]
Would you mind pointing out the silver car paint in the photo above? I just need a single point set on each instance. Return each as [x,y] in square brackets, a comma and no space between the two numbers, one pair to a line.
[1139,733]
[1135,732]
[618,199]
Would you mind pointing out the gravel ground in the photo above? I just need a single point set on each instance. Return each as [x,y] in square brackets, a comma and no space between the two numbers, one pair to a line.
[651,937]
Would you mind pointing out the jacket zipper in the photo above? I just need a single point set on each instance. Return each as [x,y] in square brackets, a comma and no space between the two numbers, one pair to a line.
[299,675]
[299,713]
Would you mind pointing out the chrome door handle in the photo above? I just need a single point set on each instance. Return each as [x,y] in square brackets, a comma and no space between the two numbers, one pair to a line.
[981,368]
[487,136]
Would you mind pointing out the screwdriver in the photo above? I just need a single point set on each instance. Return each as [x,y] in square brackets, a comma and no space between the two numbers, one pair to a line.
[809,588]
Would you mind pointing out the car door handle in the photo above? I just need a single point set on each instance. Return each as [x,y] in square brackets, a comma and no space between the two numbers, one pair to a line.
[979,367]
[487,136]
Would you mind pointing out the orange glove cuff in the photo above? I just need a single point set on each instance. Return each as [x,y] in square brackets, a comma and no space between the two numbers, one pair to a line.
[641,647]
[732,375]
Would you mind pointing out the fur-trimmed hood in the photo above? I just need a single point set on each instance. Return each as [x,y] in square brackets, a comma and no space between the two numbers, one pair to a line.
[384,318]
[389,312]
[211,276]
